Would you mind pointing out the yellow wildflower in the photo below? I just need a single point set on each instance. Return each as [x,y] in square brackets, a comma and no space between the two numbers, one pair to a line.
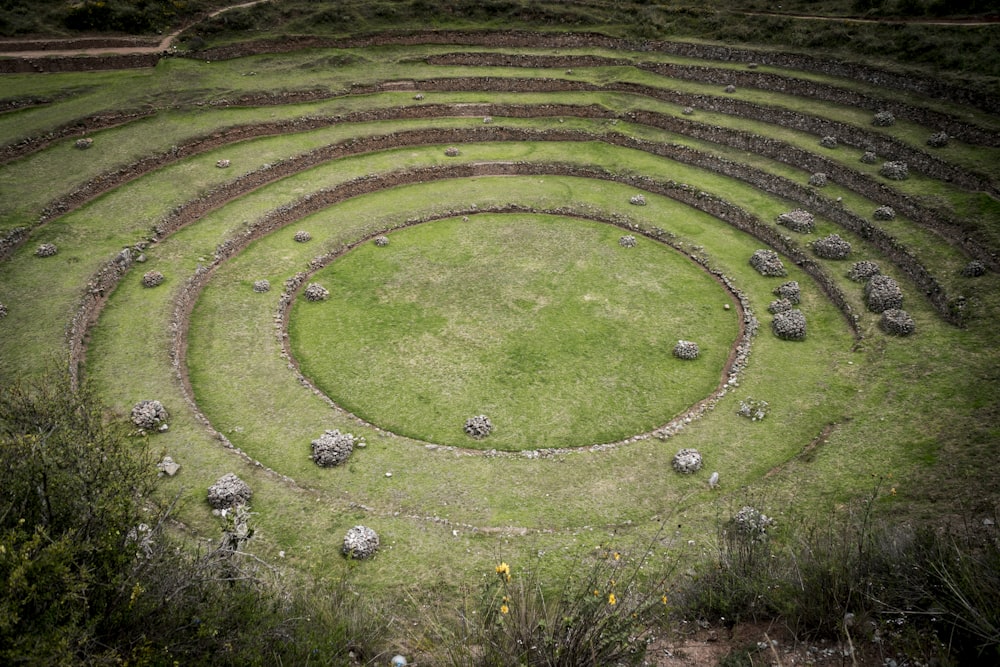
[504,609]
[663,599]
[618,556]
[612,600]
[503,569]
[892,491]
[597,593]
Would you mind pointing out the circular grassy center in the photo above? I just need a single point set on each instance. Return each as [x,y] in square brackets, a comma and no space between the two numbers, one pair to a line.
[545,324]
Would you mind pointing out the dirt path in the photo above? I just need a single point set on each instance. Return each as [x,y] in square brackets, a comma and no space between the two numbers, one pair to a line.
[15,48]
[970,22]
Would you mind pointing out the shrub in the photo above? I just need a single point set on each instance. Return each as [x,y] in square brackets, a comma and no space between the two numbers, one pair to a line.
[478,427]
[818,179]
[828,142]
[789,290]
[360,542]
[861,271]
[687,461]
[789,325]
[261,286]
[897,322]
[884,213]
[883,119]
[316,292]
[895,170]
[333,448]
[938,140]
[685,349]
[831,247]
[152,279]
[46,250]
[302,236]
[229,491]
[882,293]
[767,263]
[798,221]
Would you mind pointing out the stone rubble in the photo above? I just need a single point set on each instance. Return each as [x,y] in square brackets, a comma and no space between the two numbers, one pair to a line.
[789,325]
[261,286]
[884,213]
[882,293]
[360,542]
[895,170]
[883,119]
[789,290]
[316,292]
[861,271]
[974,269]
[152,279]
[828,142]
[333,448]
[149,415]
[46,250]
[768,263]
[627,241]
[303,236]
[637,200]
[779,306]
[938,140]
[818,179]
[478,427]
[687,461]
[897,322]
[229,491]
[686,349]
[831,247]
[381,241]
[798,220]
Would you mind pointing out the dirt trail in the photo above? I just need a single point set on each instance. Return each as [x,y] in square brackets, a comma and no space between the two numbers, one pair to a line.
[970,22]
[16,48]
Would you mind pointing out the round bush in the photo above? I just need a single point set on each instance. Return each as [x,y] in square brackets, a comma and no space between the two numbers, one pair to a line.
[637,200]
[818,179]
[831,247]
[884,213]
[149,415]
[452,151]
[938,140]
[828,142]
[303,236]
[767,263]
[478,427]
[686,349]
[895,171]
[332,448]
[229,491]
[863,270]
[789,325]
[360,542]
[46,250]
[261,286]
[869,157]
[687,461]
[779,306]
[316,292]
[789,290]
[152,279]
[897,322]
[627,241]
[974,269]
[798,221]
[883,119]
[381,241]
[882,293]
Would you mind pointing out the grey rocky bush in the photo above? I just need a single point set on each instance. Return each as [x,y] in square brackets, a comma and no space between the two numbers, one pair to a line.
[882,293]
[149,415]
[316,292]
[46,250]
[767,263]
[884,213]
[360,542]
[687,461]
[303,236]
[152,279]
[818,179]
[229,491]
[798,220]
[381,241]
[333,448]
[686,349]
[974,269]
[897,322]
[869,157]
[637,200]
[938,140]
[883,119]
[828,142]
[831,247]
[789,325]
[478,427]
[779,306]
[895,170]
[627,241]
[861,271]
[789,290]
[261,286]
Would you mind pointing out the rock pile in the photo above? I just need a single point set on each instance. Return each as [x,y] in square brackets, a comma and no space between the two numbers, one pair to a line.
[46,250]
[884,213]
[789,290]
[167,466]
[789,325]
[687,111]
[333,448]
[418,97]
[627,241]
[767,263]
[753,409]
[488,120]
[3,311]
[882,293]
[863,270]
[452,151]
[478,427]
[637,200]
[831,247]
[895,171]
[828,142]
[149,415]
[303,236]
[938,140]
[360,542]
[223,164]
[818,179]
[316,292]
[798,221]
[261,286]
[687,461]
[381,241]
[869,157]
[974,269]
[897,322]
[229,491]
[84,144]
[730,89]
[686,349]
[152,279]
[779,306]
[883,119]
